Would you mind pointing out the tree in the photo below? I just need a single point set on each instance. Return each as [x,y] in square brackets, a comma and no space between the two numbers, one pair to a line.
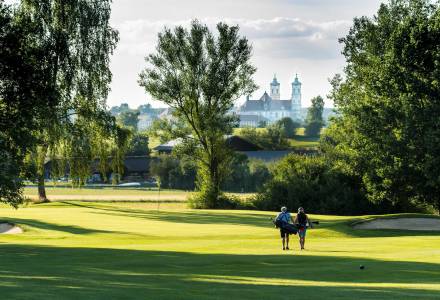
[389,103]
[314,120]
[238,176]
[129,119]
[161,168]
[77,41]
[200,75]
[138,145]
[288,126]
[24,104]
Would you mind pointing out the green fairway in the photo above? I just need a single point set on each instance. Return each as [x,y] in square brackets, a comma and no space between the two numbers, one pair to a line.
[115,194]
[74,250]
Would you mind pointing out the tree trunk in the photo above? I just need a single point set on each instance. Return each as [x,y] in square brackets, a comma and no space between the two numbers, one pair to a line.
[214,186]
[40,174]
[41,189]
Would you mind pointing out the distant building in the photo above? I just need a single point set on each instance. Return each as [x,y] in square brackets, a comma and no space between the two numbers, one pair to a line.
[271,107]
[145,121]
[252,121]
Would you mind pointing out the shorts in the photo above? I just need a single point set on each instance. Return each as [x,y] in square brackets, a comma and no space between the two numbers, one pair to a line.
[283,233]
[302,232]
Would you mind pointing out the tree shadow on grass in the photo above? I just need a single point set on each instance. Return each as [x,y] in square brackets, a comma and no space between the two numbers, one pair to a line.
[35,272]
[245,219]
[193,217]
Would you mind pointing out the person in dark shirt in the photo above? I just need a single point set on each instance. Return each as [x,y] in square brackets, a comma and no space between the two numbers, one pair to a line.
[302,221]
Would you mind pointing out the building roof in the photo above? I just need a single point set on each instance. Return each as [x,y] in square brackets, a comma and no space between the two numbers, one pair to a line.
[168,146]
[266,103]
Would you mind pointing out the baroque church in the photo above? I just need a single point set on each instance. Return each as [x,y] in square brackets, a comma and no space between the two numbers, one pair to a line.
[270,108]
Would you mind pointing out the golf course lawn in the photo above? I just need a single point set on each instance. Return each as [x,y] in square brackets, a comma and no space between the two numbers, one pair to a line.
[66,193]
[77,250]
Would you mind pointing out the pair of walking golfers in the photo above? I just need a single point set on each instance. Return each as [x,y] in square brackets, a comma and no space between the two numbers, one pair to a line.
[301,221]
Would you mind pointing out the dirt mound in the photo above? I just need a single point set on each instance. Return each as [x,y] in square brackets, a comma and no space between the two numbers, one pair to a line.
[7,228]
[431,224]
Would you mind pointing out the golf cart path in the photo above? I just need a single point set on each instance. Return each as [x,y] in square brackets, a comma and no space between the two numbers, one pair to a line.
[431,224]
[7,228]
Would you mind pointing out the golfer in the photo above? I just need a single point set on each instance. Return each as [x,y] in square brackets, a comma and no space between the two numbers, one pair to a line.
[302,221]
[285,217]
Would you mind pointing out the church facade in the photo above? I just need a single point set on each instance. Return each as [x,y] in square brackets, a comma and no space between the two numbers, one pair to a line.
[270,107]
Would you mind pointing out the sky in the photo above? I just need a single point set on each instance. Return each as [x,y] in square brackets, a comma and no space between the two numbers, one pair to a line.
[288,37]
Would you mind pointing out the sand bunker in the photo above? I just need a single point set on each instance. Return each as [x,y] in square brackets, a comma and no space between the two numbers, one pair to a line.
[7,228]
[430,224]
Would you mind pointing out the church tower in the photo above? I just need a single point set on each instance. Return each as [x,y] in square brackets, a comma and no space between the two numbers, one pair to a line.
[296,99]
[275,89]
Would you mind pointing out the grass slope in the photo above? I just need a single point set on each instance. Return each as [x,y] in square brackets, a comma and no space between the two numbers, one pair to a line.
[73,250]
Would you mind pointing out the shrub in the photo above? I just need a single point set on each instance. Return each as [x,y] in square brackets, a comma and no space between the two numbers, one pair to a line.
[313,183]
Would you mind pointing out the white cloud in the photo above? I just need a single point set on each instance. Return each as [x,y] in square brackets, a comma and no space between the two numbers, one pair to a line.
[289,37]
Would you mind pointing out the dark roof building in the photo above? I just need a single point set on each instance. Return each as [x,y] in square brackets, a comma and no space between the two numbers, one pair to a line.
[236,143]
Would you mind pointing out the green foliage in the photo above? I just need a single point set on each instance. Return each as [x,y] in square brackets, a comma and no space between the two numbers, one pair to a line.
[313,128]
[246,175]
[24,99]
[238,175]
[273,138]
[129,119]
[161,168]
[259,175]
[173,173]
[314,120]
[77,41]
[288,127]
[389,104]
[166,130]
[200,75]
[138,145]
[313,183]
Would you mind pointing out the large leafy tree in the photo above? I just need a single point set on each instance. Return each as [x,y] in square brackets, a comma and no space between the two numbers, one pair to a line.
[23,100]
[200,74]
[389,102]
[78,42]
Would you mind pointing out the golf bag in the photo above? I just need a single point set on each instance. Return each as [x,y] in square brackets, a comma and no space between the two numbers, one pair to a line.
[287,227]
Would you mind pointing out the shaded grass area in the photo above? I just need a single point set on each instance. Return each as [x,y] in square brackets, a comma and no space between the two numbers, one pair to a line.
[90,273]
[75,250]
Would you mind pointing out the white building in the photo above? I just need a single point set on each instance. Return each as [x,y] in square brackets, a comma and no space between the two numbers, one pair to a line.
[271,107]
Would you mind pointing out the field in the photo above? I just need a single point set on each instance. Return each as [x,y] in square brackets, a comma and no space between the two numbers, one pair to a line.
[77,250]
[299,141]
[66,193]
